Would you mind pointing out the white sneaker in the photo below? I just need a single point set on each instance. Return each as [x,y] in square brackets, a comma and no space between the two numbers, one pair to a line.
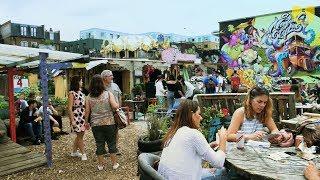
[84,157]
[100,167]
[115,166]
[76,154]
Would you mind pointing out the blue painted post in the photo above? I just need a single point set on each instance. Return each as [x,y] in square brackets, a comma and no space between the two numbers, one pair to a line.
[44,86]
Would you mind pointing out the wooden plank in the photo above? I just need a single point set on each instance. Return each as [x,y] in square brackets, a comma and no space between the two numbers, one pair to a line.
[14,151]
[8,145]
[23,163]
[17,167]
[18,158]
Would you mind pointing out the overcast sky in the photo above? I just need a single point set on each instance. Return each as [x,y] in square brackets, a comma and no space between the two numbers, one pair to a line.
[185,17]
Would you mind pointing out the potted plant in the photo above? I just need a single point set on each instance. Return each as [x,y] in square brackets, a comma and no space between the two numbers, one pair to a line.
[213,119]
[60,104]
[157,127]
[4,108]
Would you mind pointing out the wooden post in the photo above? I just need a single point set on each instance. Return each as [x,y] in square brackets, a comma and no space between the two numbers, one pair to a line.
[44,87]
[11,105]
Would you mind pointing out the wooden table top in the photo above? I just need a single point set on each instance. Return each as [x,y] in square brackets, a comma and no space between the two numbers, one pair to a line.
[253,163]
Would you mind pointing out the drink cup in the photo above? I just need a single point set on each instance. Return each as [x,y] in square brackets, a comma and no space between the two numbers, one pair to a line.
[240,140]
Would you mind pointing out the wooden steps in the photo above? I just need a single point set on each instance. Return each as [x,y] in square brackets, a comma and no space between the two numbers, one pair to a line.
[15,158]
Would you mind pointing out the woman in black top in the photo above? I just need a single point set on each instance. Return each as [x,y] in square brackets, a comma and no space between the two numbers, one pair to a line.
[171,84]
[178,93]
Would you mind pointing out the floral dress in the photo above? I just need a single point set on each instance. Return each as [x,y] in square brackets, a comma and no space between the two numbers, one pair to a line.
[78,109]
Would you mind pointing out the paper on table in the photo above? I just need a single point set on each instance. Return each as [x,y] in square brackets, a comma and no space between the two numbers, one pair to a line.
[258,144]
[277,156]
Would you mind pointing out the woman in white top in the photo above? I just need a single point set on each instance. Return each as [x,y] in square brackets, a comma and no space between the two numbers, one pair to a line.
[185,146]
[160,91]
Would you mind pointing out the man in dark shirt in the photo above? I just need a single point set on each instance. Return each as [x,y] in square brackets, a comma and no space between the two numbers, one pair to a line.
[30,122]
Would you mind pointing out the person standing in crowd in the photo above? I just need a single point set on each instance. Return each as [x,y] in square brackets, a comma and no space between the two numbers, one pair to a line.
[101,104]
[210,83]
[189,90]
[235,82]
[178,93]
[219,87]
[185,147]
[160,91]
[30,122]
[76,107]
[171,83]
[112,87]
[21,103]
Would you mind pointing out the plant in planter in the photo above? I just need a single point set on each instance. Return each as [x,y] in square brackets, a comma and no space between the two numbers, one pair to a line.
[60,105]
[157,127]
[213,119]
[4,108]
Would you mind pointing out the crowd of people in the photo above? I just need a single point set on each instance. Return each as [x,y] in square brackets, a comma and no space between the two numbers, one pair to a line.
[184,146]
[31,124]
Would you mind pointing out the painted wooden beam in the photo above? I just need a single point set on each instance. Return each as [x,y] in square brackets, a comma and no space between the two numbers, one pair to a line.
[45,97]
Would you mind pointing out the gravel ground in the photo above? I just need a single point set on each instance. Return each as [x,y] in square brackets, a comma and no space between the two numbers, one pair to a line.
[67,167]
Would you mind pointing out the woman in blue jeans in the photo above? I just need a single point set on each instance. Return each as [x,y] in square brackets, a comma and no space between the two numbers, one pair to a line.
[100,105]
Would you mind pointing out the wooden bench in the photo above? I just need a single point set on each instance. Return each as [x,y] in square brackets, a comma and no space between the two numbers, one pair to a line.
[283,103]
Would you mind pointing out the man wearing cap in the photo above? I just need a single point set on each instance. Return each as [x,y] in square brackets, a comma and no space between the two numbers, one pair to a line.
[112,87]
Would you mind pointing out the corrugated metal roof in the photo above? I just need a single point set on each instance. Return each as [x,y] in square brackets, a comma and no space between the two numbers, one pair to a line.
[25,56]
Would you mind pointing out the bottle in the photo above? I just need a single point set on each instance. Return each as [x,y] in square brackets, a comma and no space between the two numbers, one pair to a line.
[240,140]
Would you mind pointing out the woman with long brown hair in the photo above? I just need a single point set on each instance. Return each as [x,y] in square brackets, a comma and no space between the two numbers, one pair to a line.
[253,116]
[100,105]
[185,146]
[76,111]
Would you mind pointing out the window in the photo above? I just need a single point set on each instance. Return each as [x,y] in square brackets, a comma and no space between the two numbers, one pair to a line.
[34,44]
[51,35]
[24,43]
[33,31]
[23,30]
[118,36]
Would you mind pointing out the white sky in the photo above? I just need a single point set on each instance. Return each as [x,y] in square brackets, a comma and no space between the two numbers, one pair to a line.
[185,17]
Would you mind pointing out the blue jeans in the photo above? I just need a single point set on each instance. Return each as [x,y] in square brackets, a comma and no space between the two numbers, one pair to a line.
[33,130]
[170,99]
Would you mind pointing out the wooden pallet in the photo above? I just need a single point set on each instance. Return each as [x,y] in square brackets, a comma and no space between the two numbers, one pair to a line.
[15,158]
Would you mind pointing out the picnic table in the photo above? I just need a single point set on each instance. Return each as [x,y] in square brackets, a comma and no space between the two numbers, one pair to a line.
[295,122]
[254,163]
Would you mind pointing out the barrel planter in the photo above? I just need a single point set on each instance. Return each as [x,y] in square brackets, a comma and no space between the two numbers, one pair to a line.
[4,114]
[144,145]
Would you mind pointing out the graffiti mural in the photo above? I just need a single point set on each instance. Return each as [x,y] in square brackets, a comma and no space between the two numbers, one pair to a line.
[273,45]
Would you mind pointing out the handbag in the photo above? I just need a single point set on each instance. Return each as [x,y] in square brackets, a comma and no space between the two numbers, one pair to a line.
[120,119]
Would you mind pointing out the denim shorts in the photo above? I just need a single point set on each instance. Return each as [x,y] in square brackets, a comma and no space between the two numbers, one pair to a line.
[102,135]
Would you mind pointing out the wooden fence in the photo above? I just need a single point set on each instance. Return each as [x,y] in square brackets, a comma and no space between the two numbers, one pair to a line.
[283,103]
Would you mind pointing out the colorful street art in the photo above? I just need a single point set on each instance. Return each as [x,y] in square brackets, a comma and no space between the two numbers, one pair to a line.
[272,45]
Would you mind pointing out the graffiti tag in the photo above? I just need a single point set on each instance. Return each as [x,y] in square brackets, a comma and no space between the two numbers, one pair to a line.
[283,26]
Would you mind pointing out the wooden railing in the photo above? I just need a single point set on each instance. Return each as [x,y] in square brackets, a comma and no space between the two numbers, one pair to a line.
[283,103]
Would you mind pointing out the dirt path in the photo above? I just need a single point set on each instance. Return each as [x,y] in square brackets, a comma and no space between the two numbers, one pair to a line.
[66,167]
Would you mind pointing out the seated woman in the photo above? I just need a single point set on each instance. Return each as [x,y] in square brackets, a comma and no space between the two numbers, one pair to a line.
[311,172]
[185,146]
[253,116]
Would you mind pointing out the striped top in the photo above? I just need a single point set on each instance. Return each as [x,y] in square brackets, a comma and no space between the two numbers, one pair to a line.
[250,126]
[101,110]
